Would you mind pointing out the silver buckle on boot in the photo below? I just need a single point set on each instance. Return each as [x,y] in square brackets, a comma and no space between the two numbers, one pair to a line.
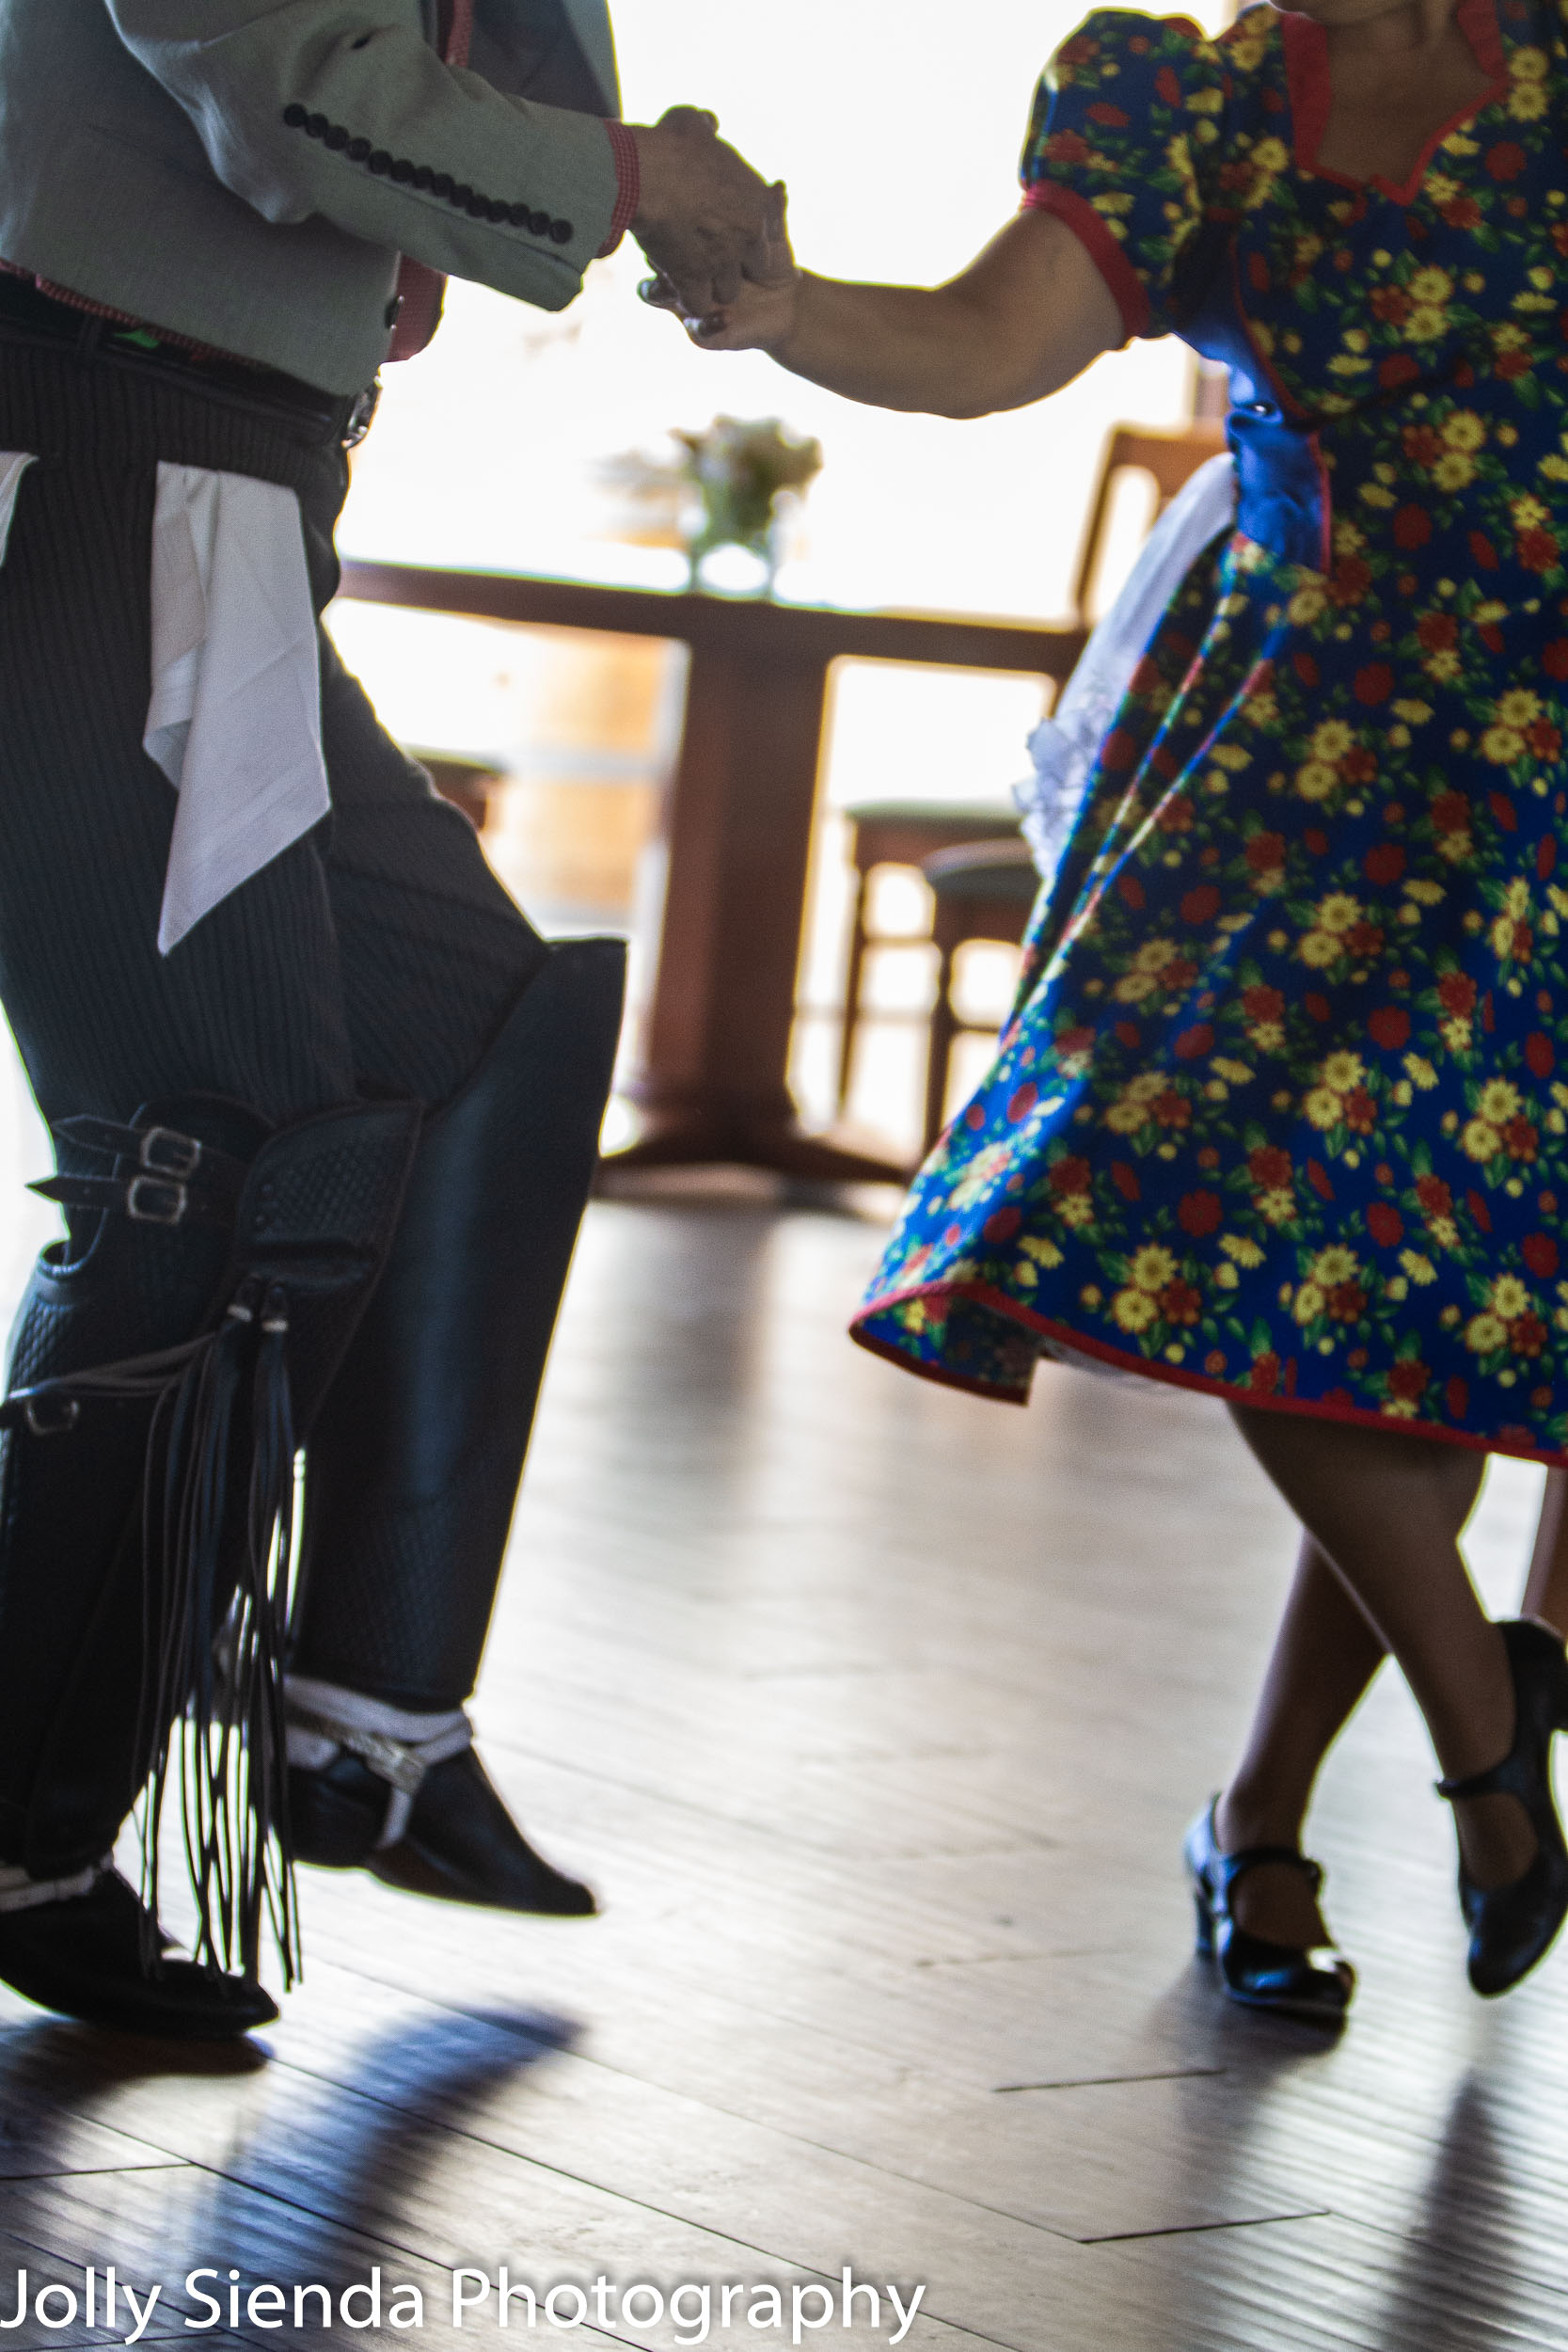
[156,1201]
[167,1152]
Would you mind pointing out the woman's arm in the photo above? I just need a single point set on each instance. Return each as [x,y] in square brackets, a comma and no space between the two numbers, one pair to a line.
[1025,317]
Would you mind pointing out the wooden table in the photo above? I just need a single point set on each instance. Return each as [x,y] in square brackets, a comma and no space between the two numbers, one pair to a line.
[713,1082]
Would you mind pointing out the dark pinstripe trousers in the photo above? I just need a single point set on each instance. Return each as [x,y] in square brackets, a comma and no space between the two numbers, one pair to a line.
[379,955]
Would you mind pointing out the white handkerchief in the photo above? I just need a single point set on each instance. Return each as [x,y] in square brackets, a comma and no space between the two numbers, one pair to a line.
[234,721]
[13,465]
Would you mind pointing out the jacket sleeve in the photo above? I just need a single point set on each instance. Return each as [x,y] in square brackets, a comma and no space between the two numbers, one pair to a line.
[342,109]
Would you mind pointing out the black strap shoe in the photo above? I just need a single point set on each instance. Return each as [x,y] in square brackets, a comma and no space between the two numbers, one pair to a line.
[1313,1981]
[86,1958]
[1513,1926]
[458,1841]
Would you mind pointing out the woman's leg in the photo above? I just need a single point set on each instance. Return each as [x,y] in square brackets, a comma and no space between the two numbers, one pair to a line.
[1324,1657]
[1387,1510]
[1546,1589]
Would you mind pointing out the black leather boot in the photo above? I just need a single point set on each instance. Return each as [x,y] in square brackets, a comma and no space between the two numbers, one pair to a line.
[167,1362]
[413,1467]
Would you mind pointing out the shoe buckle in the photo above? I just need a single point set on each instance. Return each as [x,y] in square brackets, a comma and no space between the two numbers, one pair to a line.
[51,1416]
[156,1201]
[167,1152]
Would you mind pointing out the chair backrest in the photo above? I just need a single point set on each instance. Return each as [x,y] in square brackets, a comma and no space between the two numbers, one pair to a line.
[1172,456]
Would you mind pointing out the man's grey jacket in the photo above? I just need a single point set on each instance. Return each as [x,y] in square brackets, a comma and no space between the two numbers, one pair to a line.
[246,172]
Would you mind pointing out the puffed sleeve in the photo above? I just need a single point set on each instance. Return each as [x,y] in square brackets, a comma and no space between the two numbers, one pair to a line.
[1126,130]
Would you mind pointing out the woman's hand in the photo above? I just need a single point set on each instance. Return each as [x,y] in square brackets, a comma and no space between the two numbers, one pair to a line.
[761,316]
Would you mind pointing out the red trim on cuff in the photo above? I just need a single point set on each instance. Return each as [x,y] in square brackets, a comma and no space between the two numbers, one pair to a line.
[628,171]
[1075,212]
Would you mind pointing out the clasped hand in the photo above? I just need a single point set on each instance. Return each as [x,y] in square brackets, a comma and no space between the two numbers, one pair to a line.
[703,215]
[759,313]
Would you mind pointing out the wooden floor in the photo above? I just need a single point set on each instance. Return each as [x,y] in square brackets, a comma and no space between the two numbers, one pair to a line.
[876,1714]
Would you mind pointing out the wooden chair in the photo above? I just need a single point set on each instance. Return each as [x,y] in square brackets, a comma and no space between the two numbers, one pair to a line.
[981,890]
[915,833]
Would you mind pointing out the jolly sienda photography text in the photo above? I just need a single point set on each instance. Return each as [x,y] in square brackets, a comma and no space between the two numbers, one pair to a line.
[478,2298]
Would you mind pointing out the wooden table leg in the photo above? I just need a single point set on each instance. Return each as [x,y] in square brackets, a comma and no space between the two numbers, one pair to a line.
[714,1079]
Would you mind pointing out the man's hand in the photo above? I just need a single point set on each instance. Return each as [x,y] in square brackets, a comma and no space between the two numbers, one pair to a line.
[762,315]
[704,212]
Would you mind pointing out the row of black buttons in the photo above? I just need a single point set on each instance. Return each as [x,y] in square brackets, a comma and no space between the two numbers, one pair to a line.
[456,193]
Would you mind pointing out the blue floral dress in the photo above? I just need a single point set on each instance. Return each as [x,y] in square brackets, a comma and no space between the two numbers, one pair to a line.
[1280,1112]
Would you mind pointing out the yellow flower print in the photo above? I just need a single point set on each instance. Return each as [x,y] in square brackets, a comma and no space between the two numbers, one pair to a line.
[1464,429]
[1420,1269]
[1480,1140]
[1316,780]
[1134,1311]
[1323,1107]
[1432,285]
[1334,1265]
[1246,1252]
[1510,1298]
[1484,1334]
[1527,101]
[1332,739]
[1444,666]
[1516,898]
[1319,950]
[1530,515]
[1502,746]
[1043,1253]
[1518,707]
[1529,65]
[1307,605]
[1309,1303]
[1277,1208]
[1453,471]
[1342,1071]
[1151,1267]
[1499,1102]
[1426,324]
[1421,1070]
[1426,894]
[1339,911]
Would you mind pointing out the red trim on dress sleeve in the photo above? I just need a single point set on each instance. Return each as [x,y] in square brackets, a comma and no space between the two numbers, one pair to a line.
[1075,212]
[628,171]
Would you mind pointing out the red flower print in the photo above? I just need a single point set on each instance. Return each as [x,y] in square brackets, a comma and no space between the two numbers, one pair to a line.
[1374,683]
[1172,1109]
[1478,1210]
[1456,1396]
[1191,1044]
[1353,578]
[1389,1027]
[1119,749]
[1384,863]
[1538,551]
[1130,890]
[1269,1166]
[1422,444]
[1540,1253]
[1520,1139]
[1199,1213]
[1002,1224]
[1317,1006]
[1408,1379]
[1071,1174]
[1263,1004]
[1263,1379]
[1456,993]
[1397,368]
[1128,1034]
[1213,1363]
[1181,1303]
[1554,661]
[1434,1195]
[1317,1176]
[1305,667]
[1505,161]
[1360,1111]
[1539,1056]
[1126,1181]
[1385,1224]
[1437,632]
[1067,147]
[1462,212]
[1504,811]
[1167,88]
[1526,1336]
[1200,905]
[1076,1040]
[1024,1101]
[1484,551]
[1393,306]
[1365,939]
[1359,764]
[1545,855]
[1109,118]
[1265,852]
[1544,739]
